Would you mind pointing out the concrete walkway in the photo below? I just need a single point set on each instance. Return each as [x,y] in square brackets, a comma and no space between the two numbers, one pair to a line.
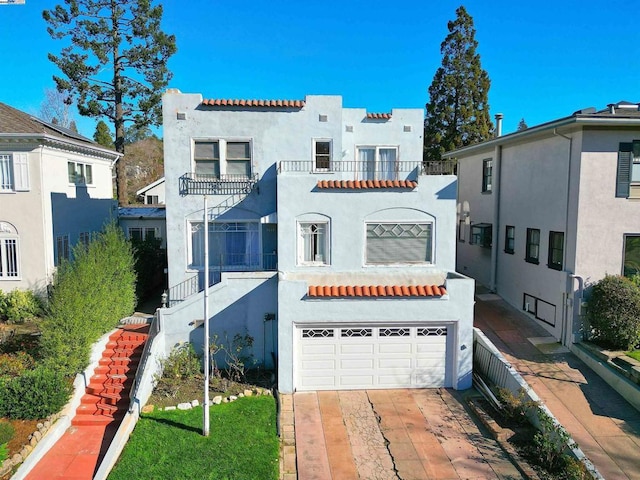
[605,426]
[393,434]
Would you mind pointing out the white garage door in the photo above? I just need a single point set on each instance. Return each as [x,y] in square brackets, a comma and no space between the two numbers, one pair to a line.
[351,358]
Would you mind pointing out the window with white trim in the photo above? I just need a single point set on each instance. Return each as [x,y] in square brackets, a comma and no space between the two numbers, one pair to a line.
[14,172]
[80,173]
[232,245]
[322,155]
[9,252]
[222,158]
[62,248]
[152,200]
[487,175]
[207,159]
[389,243]
[378,163]
[313,243]
[142,233]
[239,159]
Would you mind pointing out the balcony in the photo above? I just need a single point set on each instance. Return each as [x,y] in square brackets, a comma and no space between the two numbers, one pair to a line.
[199,184]
[360,170]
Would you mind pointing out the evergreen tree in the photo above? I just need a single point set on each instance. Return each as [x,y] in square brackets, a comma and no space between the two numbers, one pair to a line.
[522,125]
[102,135]
[458,108]
[115,65]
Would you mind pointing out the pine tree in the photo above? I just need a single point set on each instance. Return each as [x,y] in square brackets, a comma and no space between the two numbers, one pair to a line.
[522,125]
[115,65]
[458,108]
[102,135]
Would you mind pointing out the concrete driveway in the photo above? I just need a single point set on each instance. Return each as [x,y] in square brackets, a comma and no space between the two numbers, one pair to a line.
[393,434]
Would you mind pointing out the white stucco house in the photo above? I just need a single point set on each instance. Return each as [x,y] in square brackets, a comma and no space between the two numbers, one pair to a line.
[152,194]
[55,190]
[545,212]
[141,222]
[329,242]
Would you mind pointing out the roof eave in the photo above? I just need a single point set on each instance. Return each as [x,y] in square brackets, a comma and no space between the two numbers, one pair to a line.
[55,140]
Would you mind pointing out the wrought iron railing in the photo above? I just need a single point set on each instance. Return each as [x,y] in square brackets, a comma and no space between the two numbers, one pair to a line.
[200,184]
[442,167]
[182,291]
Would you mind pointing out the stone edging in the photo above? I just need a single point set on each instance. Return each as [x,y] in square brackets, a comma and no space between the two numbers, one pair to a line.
[620,362]
[15,460]
[217,400]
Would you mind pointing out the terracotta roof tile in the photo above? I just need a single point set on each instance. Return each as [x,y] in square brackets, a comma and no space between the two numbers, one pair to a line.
[366,184]
[359,291]
[379,116]
[223,102]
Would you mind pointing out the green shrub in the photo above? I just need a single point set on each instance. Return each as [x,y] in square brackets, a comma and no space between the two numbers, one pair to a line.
[181,364]
[515,407]
[19,305]
[614,313]
[90,295]
[6,432]
[35,394]
[4,453]
[13,364]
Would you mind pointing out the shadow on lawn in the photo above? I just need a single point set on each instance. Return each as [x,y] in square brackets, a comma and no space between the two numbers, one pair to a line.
[171,423]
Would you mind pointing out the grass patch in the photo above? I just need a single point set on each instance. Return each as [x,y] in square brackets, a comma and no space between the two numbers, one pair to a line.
[635,354]
[242,444]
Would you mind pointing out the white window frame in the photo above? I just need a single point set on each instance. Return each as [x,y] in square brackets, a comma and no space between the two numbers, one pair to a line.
[194,225]
[144,232]
[222,153]
[14,168]
[389,226]
[378,173]
[9,237]
[326,260]
[83,173]
[315,155]
[150,199]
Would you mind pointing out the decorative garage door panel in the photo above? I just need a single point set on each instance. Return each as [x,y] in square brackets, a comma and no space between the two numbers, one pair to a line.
[343,358]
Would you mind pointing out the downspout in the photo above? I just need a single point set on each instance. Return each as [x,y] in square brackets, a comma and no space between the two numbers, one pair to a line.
[495,189]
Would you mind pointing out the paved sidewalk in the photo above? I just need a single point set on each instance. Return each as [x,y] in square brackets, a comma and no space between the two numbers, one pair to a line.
[605,426]
[393,434]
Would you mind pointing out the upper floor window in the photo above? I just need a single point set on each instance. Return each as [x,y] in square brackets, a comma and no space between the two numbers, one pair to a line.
[482,234]
[313,243]
[80,173]
[628,175]
[239,158]
[399,243]
[9,254]
[207,159]
[14,172]
[378,163]
[631,265]
[533,245]
[322,155]
[151,199]
[509,239]
[556,250]
[487,174]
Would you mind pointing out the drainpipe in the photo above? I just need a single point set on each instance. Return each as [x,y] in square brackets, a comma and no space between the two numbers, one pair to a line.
[580,300]
[495,190]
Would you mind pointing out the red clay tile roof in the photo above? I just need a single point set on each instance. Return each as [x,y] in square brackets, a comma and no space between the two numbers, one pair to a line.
[221,102]
[364,291]
[366,184]
[379,116]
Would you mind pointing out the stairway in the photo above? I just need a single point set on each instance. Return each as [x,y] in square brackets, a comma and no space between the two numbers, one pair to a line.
[106,398]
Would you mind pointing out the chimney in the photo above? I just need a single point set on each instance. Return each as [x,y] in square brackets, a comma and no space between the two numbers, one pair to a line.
[498,124]
[612,108]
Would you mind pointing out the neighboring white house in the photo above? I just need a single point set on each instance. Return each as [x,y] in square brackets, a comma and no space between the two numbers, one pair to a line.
[328,242]
[143,222]
[545,211]
[152,194]
[55,191]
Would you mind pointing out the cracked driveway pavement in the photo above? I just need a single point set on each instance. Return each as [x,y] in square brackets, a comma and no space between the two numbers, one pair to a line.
[393,434]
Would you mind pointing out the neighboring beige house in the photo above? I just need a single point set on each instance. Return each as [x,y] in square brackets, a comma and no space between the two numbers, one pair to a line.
[152,194]
[55,191]
[549,210]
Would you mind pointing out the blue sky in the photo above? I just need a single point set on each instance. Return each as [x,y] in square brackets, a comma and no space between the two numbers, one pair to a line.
[545,59]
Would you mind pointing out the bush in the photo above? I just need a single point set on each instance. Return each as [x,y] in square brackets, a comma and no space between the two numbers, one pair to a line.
[35,394]
[181,364]
[19,305]
[89,297]
[614,313]
[14,364]
[6,432]
[515,408]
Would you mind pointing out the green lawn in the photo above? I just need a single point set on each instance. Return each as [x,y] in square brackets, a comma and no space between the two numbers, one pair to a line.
[634,354]
[242,444]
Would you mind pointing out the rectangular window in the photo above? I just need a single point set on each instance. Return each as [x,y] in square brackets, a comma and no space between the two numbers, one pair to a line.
[631,265]
[378,163]
[628,174]
[84,238]
[207,159]
[62,248]
[152,200]
[313,243]
[239,159]
[533,245]
[487,173]
[232,245]
[80,173]
[509,239]
[556,250]
[482,234]
[8,258]
[322,155]
[461,225]
[389,243]
[6,173]
[14,172]
[142,233]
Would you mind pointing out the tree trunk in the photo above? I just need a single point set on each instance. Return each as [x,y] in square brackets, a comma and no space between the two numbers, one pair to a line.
[121,174]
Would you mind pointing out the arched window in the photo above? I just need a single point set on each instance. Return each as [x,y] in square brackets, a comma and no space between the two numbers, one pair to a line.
[9,252]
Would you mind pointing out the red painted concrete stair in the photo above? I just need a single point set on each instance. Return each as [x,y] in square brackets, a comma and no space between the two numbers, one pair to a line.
[107,396]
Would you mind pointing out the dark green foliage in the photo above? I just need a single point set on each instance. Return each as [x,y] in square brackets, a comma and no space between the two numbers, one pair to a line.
[150,261]
[103,136]
[115,63]
[458,108]
[19,305]
[522,125]
[90,296]
[614,313]
[35,394]
[6,432]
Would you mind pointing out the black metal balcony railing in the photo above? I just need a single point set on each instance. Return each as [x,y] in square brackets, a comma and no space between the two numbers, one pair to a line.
[442,167]
[200,184]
